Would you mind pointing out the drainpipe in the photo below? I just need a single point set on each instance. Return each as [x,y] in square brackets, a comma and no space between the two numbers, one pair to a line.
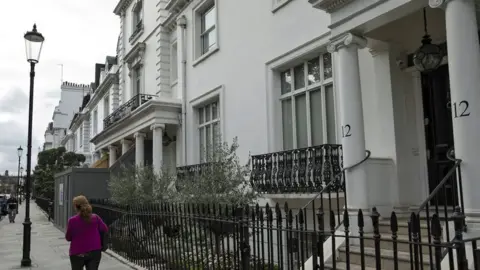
[182,23]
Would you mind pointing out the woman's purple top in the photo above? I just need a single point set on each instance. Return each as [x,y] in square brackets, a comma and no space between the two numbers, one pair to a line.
[84,236]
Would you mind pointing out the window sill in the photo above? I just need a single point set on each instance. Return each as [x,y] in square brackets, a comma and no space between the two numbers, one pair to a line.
[174,83]
[135,36]
[278,6]
[206,55]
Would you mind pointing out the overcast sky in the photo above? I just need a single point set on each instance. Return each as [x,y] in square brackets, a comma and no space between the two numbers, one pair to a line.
[78,34]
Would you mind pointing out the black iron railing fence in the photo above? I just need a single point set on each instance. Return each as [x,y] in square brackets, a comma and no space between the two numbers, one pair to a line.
[47,206]
[187,236]
[126,109]
[305,170]
[441,203]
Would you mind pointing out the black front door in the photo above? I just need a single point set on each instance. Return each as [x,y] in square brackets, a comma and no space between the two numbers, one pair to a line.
[438,129]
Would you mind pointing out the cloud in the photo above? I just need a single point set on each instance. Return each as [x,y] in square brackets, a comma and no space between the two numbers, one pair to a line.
[16,101]
[13,135]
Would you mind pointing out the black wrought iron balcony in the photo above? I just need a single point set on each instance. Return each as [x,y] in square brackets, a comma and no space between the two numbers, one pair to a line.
[305,170]
[126,109]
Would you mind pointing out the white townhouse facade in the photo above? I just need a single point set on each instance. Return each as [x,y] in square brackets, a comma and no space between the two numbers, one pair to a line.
[301,81]
[71,95]
[97,104]
[148,115]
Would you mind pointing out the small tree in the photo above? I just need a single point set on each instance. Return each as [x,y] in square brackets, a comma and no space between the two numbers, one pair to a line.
[50,162]
[137,185]
[222,179]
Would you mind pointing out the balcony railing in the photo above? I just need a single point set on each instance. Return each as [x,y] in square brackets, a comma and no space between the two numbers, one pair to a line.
[305,170]
[126,109]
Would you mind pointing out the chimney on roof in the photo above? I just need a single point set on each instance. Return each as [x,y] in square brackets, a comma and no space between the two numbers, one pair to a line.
[6,172]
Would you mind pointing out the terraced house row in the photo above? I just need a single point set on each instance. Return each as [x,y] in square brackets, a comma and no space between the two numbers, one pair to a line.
[382,91]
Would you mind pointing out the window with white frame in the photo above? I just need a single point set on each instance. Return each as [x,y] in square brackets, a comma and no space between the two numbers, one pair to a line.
[308,103]
[80,137]
[208,32]
[137,14]
[95,122]
[106,106]
[173,63]
[137,81]
[209,129]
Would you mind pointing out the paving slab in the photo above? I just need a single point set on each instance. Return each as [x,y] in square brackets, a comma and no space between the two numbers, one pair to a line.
[49,249]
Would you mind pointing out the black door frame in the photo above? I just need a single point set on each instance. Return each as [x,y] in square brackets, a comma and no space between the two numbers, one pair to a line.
[438,128]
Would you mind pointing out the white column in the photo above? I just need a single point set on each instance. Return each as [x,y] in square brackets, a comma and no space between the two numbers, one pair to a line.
[464,68]
[157,156]
[112,155]
[125,145]
[351,117]
[139,149]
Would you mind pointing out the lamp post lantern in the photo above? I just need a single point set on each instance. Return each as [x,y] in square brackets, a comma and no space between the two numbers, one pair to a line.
[20,152]
[33,48]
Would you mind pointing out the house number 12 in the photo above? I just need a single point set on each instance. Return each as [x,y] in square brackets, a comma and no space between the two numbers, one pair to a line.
[460,109]
[346,131]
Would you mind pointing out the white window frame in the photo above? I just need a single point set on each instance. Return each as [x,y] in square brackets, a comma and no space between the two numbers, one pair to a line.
[202,127]
[307,89]
[198,12]
[137,14]
[95,122]
[137,84]
[173,63]
[278,4]
[215,94]
[106,106]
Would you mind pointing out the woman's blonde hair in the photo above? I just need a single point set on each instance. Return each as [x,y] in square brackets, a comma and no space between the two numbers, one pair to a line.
[83,207]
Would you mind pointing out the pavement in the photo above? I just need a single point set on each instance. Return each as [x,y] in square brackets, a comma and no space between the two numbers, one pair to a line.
[49,249]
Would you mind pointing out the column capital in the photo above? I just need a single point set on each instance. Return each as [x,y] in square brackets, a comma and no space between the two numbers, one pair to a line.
[139,135]
[112,148]
[346,40]
[157,126]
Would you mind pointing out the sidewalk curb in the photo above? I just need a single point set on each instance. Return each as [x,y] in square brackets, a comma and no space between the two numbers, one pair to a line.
[121,259]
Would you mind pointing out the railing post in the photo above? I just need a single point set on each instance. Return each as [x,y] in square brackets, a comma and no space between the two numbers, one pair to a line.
[244,240]
[459,222]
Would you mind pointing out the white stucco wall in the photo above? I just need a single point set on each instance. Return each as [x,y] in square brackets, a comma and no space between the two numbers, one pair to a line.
[150,55]
[245,46]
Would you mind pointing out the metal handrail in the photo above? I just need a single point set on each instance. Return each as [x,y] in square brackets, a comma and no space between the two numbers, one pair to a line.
[442,183]
[337,175]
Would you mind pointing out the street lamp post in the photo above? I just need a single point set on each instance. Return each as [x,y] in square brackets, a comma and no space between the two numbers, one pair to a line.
[33,47]
[20,152]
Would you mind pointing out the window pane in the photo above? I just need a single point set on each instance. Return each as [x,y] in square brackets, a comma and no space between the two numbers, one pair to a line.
[207,113]
[316,117]
[214,111]
[287,124]
[200,116]
[174,63]
[301,120]
[202,144]
[327,66]
[330,106]
[216,135]
[208,141]
[299,72]
[212,38]
[208,19]
[313,71]
[286,82]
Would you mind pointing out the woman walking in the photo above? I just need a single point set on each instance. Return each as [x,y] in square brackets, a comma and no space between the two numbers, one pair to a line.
[84,234]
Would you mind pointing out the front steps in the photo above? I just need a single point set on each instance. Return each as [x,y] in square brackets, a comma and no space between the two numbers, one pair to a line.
[386,249]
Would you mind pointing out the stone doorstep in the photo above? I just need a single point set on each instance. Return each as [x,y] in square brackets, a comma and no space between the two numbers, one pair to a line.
[384,227]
